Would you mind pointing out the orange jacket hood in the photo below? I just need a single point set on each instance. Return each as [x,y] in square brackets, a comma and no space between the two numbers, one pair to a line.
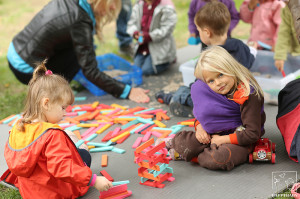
[21,141]
[46,163]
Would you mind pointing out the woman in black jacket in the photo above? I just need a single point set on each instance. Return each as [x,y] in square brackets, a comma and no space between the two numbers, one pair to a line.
[63,33]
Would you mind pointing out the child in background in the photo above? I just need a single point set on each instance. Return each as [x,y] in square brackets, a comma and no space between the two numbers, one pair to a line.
[264,16]
[229,111]
[195,7]
[41,155]
[213,22]
[152,23]
[287,44]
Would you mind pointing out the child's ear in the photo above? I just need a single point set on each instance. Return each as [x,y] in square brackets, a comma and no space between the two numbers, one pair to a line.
[45,103]
[208,32]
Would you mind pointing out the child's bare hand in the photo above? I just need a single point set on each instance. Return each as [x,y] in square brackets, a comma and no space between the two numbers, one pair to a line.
[102,184]
[218,139]
[201,135]
[139,95]
[252,44]
[192,35]
[252,4]
[279,64]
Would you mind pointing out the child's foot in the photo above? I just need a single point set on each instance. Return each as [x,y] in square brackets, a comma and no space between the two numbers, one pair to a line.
[163,97]
[180,110]
[174,155]
[168,142]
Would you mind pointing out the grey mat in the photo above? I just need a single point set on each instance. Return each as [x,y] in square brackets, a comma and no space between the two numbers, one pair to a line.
[191,181]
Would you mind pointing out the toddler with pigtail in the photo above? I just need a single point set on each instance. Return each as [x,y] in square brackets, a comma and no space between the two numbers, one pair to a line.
[42,159]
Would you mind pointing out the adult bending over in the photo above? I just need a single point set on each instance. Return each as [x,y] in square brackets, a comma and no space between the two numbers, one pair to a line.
[63,32]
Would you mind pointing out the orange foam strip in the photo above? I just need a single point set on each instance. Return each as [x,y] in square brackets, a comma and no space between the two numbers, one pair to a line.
[63,121]
[165,134]
[81,117]
[72,120]
[133,110]
[146,165]
[93,114]
[1,121]
[145,145]
[122,122]
[160,130]
[104,160]
[145,116]
[102,117]
[77,133]
[161,115]
[13,121]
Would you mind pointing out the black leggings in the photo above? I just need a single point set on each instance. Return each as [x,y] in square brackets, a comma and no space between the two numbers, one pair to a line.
[85,156]
[63,63]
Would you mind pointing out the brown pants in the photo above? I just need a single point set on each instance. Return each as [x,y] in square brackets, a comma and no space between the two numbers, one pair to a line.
[224,157]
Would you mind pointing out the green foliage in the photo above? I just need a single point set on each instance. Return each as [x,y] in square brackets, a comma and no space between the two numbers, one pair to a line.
[6,193]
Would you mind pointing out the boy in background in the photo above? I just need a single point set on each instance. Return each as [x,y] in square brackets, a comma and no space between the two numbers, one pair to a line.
[212,22]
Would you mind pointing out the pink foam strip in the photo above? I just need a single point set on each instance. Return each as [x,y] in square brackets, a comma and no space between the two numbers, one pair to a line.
[87,134]
[113,190]
[142,127]
[171,179]
[87,131]
[137,142]
[115,132]
[152,111]
[71,114]
[147,136]
[114,111]
[156,134]
[128,115]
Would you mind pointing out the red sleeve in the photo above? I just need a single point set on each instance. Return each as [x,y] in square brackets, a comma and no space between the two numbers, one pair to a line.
[196,123]
[233,138]
[64,162]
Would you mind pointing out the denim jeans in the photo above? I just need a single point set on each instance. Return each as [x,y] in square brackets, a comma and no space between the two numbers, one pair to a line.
[145,63]
[183,96]
[123,18]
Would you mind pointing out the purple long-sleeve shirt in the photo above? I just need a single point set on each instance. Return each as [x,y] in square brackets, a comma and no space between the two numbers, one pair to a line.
[197,4]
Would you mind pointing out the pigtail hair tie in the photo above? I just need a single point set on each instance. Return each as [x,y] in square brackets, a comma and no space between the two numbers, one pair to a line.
[48,72]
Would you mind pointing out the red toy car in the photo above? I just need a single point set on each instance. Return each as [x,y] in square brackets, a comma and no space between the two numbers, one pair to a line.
[264,151]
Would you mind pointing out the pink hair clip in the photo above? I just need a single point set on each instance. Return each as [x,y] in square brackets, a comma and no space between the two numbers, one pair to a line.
[48,72]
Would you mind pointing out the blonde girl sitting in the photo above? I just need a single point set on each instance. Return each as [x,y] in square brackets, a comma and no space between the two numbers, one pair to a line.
[42,158]
[228,106]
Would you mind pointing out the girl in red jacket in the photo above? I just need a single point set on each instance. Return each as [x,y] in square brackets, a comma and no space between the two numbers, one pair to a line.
[43,158]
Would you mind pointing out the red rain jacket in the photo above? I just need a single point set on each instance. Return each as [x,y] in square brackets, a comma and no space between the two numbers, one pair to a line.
[46,163]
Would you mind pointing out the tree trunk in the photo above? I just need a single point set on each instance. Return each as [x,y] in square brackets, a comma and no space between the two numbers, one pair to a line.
[294,6]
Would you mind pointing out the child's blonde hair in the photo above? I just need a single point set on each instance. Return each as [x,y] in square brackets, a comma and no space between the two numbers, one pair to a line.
[42,85]
[215,16]
[217,59]
[110,15]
